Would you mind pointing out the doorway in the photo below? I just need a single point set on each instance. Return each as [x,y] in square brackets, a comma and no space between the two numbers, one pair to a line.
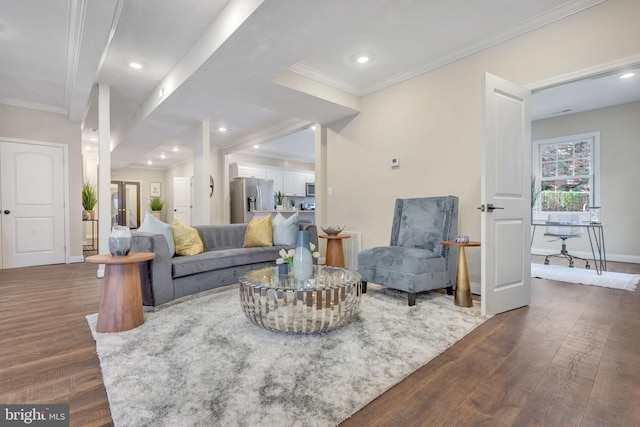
[125,204]
[32,201]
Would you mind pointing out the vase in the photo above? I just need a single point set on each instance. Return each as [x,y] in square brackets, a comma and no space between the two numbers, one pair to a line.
[302,258]
[120,241]
[283,268]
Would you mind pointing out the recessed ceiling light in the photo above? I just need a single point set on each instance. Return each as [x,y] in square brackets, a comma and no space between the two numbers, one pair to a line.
[94,139]
[149,162]
[175,149]
[313,127]
[256,146]
[135,65]
[627,75]
[163,156]
[362,59]
[222,129]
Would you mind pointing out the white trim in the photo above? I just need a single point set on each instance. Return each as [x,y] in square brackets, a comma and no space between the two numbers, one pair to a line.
[33,105]
[633,259]
[476,288]
[595,173]
[596,70]
[567,9]
[283,128]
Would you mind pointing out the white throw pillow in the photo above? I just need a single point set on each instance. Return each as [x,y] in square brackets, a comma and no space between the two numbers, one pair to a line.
[285,229]
[151,224]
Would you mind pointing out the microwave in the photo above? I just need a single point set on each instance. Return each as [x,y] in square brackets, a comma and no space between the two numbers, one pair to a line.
[310,189]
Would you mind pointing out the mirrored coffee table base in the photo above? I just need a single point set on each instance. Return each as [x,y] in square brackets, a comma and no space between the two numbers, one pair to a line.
[330,299]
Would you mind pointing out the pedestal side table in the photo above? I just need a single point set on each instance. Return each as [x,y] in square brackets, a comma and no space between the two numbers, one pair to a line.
[463,289]
[335,255]
[121,300]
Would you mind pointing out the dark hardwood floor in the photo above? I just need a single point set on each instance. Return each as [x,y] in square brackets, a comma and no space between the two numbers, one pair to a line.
[570,358]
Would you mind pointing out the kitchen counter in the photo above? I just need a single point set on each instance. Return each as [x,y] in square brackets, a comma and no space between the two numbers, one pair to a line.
[302,215]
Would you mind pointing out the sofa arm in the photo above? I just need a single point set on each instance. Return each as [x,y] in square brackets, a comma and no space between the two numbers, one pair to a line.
[156,279]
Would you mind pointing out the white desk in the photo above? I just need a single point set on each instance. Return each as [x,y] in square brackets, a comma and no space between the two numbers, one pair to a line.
[595,231]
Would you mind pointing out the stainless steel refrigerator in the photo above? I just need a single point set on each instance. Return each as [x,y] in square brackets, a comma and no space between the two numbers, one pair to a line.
[242,189]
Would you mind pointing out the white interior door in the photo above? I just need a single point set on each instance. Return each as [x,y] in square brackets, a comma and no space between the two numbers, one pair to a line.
[32,204]
[182,199]
[506,179]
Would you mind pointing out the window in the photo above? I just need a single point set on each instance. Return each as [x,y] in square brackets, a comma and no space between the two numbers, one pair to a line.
[567,174]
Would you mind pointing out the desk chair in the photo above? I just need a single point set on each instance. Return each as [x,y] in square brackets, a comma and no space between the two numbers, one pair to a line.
[560,227]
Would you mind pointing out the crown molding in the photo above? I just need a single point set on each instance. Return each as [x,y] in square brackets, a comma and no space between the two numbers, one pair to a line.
[75,28]
[274,131]
[34,105]
[591,72]
[312,73]
[560,12]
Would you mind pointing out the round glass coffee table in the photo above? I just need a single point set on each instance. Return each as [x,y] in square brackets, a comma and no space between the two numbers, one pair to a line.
[330,298]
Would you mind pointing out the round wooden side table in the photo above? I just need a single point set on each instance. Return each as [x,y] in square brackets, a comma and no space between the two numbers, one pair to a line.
[463,289]
[335,256]
[121,300]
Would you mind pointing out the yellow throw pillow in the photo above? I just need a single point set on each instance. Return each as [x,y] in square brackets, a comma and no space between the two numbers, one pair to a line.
[186,239]
[259,233]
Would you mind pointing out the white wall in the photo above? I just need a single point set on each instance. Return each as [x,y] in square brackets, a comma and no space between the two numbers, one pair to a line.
[433,122]
[619,153]
[25,123]
[218,206]
[145,177]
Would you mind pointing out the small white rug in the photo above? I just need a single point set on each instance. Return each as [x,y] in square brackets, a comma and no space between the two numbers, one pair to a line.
[583,276]
[202,362]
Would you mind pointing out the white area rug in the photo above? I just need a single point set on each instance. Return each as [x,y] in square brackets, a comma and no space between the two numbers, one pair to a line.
[607,279]
[202,362]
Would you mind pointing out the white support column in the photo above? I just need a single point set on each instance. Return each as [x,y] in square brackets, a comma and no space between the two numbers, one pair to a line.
[104,172]
[201,168]
[322,182]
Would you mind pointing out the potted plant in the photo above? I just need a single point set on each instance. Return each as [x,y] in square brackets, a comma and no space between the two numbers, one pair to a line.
[89,200]
[279,198]
[156,205]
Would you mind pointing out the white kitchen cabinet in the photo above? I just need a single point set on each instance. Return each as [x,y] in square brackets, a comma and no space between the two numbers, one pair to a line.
[310,176]
[278,179]
[294,183]
[247,171]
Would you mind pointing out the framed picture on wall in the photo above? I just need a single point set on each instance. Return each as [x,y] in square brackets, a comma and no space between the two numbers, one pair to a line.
[156,189]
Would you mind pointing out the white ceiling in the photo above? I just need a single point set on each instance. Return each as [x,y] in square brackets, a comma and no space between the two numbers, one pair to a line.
[262,69]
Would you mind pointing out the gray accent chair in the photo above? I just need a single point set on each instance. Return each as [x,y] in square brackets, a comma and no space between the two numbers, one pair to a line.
[415,261]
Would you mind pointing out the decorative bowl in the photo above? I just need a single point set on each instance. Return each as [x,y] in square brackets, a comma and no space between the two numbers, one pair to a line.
[332,230]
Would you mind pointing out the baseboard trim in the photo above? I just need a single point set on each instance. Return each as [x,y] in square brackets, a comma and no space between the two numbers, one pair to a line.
[476,288]
[588,255]
[76,258]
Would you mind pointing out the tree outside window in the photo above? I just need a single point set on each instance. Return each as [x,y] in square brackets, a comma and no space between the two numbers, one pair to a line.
[566,170]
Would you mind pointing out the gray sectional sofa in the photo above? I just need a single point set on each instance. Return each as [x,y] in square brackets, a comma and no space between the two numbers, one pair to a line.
[224,260]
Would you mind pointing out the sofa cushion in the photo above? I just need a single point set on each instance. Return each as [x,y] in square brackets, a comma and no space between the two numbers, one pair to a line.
[151,224]
[285,229]
[259,233]
[225,258]
[186,238]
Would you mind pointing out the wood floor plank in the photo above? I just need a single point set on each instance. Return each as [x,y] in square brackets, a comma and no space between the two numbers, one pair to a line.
[570,358]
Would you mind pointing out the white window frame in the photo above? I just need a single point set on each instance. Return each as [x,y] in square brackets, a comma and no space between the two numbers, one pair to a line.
[594,173]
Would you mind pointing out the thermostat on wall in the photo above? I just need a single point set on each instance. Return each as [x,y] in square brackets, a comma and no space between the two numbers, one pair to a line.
[395,162]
